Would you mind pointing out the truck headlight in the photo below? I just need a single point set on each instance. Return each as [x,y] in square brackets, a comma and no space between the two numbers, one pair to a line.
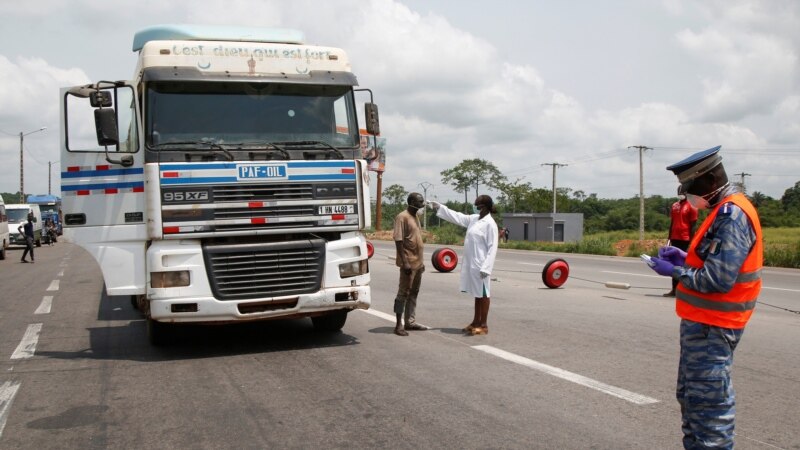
[353,269]
[175,278]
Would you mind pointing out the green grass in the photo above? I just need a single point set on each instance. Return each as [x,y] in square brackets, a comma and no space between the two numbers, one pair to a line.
[781,245]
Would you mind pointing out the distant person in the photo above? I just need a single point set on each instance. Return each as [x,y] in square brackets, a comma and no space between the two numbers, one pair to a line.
[480,249]
[410,259]
[720,280]
[505,234]
[26,230]
[683,218]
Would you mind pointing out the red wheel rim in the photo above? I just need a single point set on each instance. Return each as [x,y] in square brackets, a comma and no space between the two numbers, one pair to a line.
[555,273]
[370,249]
[447,260]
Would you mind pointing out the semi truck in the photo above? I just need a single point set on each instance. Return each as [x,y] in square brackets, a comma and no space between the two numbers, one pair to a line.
[223,183]
[50,206]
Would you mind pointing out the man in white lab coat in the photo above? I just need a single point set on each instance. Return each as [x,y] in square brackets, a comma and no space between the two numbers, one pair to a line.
[480,249]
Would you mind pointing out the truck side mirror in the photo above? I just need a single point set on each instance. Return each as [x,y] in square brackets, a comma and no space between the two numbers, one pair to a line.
[371,116]
[100,99]
[105,122]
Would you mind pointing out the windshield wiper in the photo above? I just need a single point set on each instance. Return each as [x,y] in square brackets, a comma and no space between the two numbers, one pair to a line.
[269,146]
[311,144]
[213,145]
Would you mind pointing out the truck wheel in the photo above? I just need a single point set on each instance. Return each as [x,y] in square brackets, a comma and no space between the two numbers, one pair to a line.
[330,322]
[444,259]
[555,273]
[158,333]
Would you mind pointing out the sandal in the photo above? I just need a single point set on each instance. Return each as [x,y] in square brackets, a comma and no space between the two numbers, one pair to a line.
[468,328]
[479,331]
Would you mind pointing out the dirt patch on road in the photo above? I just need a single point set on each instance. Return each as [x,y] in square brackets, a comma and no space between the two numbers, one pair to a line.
[625,246]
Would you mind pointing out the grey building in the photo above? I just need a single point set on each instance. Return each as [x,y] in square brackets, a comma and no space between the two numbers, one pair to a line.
[558,227]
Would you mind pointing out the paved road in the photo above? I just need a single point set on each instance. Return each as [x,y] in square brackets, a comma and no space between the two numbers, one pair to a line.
[579,367]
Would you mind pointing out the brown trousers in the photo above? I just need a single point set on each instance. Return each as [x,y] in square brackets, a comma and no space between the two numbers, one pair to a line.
[406,300]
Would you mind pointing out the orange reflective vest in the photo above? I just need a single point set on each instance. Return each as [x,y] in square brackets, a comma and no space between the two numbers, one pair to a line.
[724,309]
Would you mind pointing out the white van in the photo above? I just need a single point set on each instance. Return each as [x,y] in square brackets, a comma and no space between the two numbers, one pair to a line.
[18,215]
[4,243]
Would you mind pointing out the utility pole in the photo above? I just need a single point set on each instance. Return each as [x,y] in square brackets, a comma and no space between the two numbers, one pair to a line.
[742,175]
[641,149]
[425,186]
[21,165]
[378,215]
[555,166]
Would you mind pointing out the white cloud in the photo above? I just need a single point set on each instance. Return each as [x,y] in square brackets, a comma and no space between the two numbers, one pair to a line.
[448,93]
[29,95]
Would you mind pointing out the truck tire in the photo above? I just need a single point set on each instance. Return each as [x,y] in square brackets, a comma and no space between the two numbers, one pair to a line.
[158,333]
[330,322]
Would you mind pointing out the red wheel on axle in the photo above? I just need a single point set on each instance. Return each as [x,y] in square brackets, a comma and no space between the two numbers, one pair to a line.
[555,273]
[444,259]
[370,249]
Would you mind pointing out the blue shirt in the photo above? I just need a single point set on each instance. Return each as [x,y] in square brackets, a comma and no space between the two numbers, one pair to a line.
[28,229]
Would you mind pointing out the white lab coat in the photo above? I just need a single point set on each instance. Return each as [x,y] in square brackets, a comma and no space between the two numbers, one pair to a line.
[480,249]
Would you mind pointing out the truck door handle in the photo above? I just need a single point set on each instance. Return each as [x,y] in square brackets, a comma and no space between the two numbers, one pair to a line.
[75,219]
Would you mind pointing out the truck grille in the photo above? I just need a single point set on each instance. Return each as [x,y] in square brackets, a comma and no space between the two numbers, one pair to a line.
[249,193]
[264,270]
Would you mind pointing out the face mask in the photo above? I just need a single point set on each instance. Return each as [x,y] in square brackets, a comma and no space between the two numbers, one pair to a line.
[701,201]
[697,201]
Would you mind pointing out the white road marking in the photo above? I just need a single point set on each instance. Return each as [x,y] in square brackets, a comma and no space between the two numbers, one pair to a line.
[382,315]
[44,307]
[780,289]
[60,274]
[530,264]
[632,274]
[54,285]
[550,370]
[569,376]
[27,346]
[659,276]
[7,392]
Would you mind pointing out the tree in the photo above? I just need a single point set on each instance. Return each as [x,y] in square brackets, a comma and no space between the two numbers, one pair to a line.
[758,198]
[791,198]
[395,195]
[514,192]
[471,173]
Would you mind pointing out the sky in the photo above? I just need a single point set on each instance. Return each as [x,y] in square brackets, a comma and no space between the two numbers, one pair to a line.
[522,84]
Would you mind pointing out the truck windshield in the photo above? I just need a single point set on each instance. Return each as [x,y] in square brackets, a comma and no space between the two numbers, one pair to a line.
[17,215]
[48,209]
[248,115]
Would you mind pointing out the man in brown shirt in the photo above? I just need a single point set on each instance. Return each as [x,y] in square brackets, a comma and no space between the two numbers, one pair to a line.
[408,240]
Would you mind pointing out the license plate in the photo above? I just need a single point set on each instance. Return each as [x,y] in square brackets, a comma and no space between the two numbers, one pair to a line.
[337,209]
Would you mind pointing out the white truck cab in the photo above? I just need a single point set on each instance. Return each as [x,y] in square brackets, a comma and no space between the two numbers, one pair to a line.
[224,182]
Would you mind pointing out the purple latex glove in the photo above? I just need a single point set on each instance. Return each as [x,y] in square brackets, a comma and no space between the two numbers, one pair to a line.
[662,267]
[673,254]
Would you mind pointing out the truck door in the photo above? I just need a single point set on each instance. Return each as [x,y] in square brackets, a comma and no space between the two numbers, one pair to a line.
[102,180]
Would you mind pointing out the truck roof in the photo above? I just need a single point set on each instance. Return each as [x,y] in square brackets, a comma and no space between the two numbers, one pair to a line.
[182,32]
[43,199]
